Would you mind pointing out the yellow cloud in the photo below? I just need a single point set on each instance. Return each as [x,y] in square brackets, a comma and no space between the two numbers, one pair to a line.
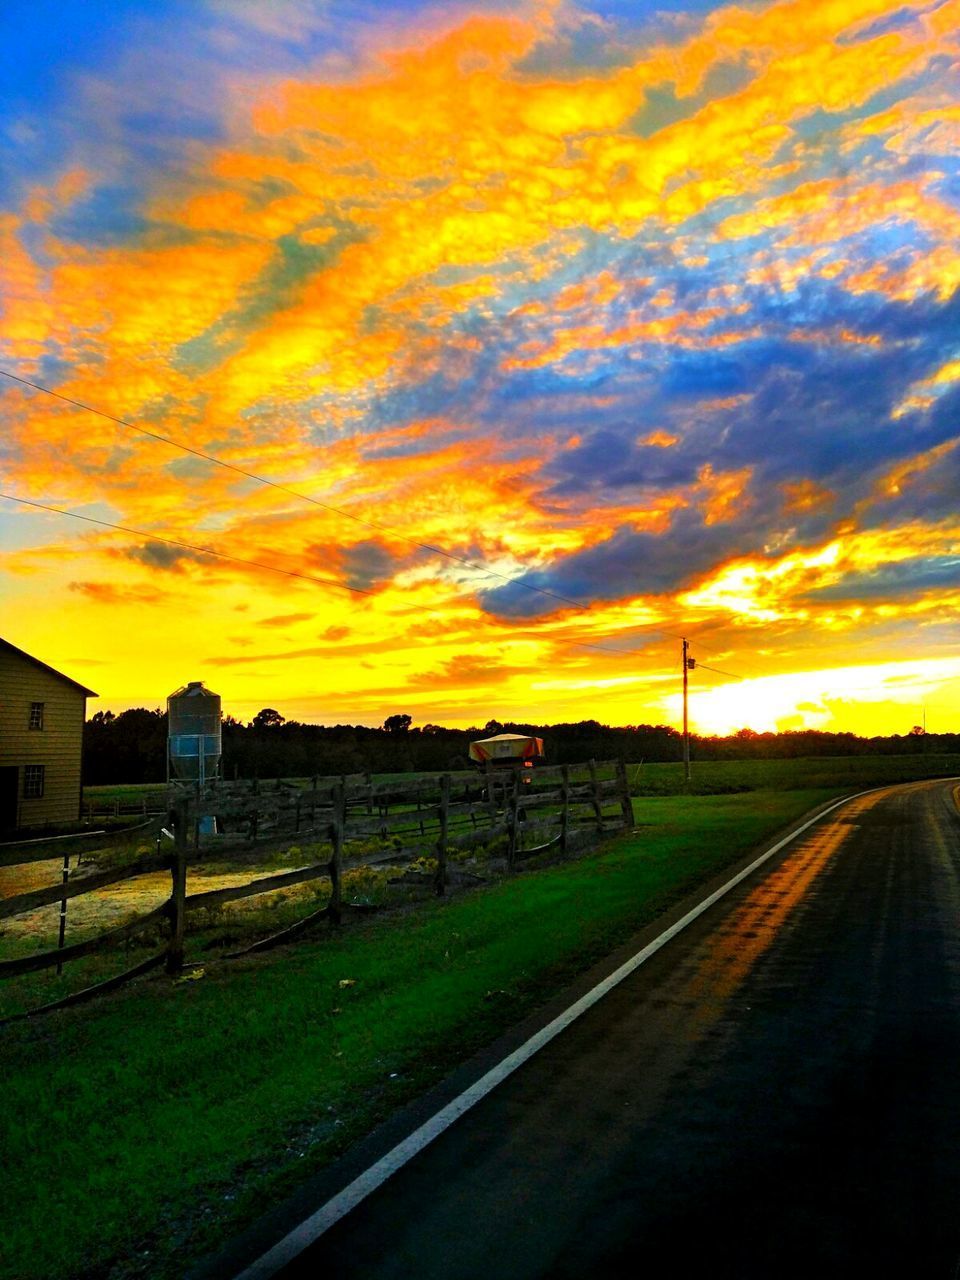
[762,590]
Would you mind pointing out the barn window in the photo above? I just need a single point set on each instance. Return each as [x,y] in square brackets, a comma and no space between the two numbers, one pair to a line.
[36,715]
[33,779]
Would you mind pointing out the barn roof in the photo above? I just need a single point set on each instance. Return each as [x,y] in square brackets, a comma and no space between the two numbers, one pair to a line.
[6,646]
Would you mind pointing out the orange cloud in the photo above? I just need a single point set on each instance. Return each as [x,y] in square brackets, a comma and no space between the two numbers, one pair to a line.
[659,439]
[677,330]
[804,496]
[721,495]
[114,594]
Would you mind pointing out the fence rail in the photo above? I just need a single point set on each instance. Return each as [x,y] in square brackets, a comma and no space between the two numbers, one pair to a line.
[435,814]
[145,806]
[17,853]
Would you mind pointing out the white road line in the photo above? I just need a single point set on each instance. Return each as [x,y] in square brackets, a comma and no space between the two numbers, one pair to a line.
[324,1218]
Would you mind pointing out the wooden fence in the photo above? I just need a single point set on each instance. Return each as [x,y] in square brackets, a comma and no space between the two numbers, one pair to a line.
[96,810]
[527,812]
[431,813]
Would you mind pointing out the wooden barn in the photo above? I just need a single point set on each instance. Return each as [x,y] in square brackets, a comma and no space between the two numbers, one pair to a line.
[41,739]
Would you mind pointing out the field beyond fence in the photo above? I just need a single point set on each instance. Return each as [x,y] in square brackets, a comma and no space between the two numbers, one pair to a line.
[840,773]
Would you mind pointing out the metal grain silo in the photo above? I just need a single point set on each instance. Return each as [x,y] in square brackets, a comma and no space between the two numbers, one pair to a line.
[193,741]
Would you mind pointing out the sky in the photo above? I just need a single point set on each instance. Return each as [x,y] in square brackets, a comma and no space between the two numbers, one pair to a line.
[494,348]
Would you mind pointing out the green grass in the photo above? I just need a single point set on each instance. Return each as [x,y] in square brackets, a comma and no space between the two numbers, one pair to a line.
[125,791]
[839,774]
[181,1109]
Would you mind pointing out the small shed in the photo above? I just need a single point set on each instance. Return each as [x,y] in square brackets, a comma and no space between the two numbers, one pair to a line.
[508,750]
[42,713]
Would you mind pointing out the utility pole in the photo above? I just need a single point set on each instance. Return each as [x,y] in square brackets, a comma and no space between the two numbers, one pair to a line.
[688,665]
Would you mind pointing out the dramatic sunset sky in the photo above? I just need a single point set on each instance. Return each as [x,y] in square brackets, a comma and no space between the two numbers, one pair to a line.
[652,306]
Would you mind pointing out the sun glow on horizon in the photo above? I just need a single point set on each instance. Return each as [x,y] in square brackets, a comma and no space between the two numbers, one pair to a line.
[888,697]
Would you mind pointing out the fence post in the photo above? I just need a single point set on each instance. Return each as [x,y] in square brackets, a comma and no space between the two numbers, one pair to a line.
[565,802]
[179,889]
[441,879]
[513,805]
[491,799]
[597,803]
[623,788]
[63,912]
[336,839]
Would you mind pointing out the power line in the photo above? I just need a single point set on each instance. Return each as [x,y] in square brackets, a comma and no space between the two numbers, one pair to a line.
[287,572]
[305,497]
[700,645]
[258,564]
[293,493]
[190,546]
[582,644]
[703,666]
[290,573]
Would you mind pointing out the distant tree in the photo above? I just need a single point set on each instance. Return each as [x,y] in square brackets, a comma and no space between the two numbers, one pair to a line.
[493,726]
[397,724]
[130,747]
[918,731]
[267,719]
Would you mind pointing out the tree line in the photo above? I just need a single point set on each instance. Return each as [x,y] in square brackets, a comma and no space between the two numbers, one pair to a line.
[132,746]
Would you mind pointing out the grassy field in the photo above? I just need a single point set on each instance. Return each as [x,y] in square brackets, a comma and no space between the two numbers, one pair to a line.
[128,797]
[142,1129]
[839,774]
[708,777]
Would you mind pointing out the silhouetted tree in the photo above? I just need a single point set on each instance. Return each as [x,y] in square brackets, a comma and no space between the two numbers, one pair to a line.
[397,724]
[131,747]
[266,719]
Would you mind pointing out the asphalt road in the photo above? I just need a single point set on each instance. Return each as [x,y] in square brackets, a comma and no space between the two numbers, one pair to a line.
[774,1093]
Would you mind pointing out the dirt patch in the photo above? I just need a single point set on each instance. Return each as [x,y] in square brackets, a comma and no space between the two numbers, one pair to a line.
[111,906]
